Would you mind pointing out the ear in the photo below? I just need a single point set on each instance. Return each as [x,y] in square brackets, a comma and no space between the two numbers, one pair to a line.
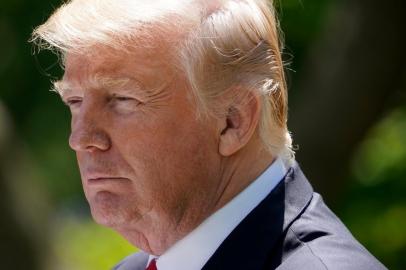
[239,124]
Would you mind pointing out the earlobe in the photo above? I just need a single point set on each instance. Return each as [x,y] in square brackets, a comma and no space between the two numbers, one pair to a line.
[239,125]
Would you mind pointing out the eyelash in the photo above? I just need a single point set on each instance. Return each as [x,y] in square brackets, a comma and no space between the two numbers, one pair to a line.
[73,101]
[118,98]
[122,98]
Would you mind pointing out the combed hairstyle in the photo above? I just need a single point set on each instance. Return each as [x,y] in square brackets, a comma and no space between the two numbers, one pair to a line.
[222,47]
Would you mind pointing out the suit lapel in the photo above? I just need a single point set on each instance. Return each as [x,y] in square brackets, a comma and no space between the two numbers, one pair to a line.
[256,241]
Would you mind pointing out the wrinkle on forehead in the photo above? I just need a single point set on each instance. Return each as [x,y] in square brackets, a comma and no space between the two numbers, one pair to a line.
[141,69]
[101,81]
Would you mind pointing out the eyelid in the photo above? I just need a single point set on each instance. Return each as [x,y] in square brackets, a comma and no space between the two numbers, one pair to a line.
[123,97]
[72,100]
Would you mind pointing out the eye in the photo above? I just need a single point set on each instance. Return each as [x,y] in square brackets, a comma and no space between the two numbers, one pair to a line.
[124,103]
[73,101]
[123,98]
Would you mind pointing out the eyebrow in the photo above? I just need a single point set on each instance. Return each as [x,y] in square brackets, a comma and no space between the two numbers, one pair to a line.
[96,81]
[60,87]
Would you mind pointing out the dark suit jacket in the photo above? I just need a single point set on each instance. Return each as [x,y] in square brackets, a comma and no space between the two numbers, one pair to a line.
[291,228]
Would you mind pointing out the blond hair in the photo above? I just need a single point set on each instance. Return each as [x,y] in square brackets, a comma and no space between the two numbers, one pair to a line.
[225,44]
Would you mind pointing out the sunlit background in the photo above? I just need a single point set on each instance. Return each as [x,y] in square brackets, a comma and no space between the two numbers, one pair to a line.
[347,80]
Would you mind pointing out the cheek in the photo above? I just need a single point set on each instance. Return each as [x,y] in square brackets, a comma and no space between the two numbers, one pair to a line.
[168,153]
[166,156]
[81,164]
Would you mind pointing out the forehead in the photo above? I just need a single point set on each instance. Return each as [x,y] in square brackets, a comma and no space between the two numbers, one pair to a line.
[148,66]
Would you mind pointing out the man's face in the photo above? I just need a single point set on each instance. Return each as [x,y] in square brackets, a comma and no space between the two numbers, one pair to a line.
[146,161]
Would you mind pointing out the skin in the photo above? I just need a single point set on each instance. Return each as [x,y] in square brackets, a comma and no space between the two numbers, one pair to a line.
[150,168]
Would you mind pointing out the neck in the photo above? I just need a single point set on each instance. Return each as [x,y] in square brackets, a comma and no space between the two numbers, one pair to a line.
[240,170]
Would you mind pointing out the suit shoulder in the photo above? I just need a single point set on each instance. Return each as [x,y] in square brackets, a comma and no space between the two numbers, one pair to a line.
[322,254]
[319,240]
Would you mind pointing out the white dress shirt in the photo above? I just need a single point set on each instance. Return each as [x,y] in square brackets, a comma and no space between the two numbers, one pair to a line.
[195,249]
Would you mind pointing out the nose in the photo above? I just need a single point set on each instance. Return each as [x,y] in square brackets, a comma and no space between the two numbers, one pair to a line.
[88,133]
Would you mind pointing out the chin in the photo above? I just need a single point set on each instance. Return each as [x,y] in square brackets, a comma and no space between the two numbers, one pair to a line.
[109,209]
[106,219]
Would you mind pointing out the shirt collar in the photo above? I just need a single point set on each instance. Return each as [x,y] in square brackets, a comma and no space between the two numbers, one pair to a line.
[194,250]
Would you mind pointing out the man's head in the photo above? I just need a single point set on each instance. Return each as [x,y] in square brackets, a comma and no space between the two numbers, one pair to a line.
[176,106]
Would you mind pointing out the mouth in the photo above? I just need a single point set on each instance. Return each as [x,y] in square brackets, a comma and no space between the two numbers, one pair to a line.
[97,178]
[105,180]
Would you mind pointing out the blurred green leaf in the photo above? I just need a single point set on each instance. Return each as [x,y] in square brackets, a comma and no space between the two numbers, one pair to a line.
[81,244]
